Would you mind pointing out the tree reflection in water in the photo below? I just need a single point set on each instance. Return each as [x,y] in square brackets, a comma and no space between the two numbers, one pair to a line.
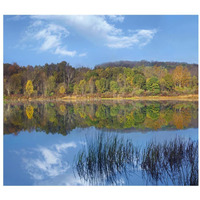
[106,159]
[60,117]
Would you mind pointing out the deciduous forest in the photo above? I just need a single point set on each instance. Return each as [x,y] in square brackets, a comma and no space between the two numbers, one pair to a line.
[116,79]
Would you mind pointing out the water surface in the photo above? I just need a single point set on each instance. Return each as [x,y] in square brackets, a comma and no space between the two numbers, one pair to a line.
[44,142]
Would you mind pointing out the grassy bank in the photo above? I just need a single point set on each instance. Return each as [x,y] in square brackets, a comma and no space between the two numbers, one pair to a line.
[192,97]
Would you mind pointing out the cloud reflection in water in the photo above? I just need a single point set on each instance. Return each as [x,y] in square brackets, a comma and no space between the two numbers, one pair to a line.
[47,162]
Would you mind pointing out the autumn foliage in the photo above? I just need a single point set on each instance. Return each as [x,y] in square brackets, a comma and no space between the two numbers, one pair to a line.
[52,80]
[29,87]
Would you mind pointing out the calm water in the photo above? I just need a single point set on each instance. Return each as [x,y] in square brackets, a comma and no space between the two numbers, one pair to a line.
[101,143]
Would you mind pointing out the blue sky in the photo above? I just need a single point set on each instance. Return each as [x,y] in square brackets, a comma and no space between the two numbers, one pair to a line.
[90,39]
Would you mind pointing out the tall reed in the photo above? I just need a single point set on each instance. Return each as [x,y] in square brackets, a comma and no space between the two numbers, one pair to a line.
[107,157]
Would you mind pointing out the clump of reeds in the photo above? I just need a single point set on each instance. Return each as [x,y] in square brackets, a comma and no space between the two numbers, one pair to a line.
[174,162]
[104,157]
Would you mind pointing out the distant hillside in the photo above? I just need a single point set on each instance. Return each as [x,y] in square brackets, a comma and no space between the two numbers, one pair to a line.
[193,68]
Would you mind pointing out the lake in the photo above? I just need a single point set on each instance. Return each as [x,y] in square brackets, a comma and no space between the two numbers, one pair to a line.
[101,143]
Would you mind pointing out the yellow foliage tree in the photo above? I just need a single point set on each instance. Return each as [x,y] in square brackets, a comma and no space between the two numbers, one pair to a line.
[181,76]
[186,78]
[177,75]
[29,87]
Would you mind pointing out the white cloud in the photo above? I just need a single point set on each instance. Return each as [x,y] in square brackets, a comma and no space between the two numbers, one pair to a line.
[50,41]
[98,29]
[82,54]
[116,18]
[49,37]
[87,25]
[64,52]
[139,37]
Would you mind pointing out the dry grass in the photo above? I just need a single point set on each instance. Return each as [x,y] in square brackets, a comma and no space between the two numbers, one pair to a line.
[191,97]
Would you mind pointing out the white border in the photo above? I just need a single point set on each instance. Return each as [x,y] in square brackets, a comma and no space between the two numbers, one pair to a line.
[92,7]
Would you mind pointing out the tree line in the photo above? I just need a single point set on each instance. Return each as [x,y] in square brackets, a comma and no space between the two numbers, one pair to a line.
[53,80]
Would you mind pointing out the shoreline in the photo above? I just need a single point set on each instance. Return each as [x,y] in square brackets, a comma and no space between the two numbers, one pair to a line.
[88,98]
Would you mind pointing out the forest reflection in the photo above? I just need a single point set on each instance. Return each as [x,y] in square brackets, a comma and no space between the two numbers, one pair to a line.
[110,160]
[60,117]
